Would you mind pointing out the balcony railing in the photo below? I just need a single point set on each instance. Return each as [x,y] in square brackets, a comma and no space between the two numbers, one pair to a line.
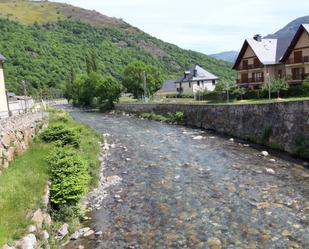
[251,80]
[250,66]
[303,59]
[300,77]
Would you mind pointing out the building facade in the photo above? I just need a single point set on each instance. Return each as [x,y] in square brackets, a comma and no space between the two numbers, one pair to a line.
[261,60]
[258,62]
[196,80]
[3,98]
[296,57]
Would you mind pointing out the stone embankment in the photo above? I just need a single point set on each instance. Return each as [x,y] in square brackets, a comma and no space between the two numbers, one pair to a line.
[15,135]
[283,126]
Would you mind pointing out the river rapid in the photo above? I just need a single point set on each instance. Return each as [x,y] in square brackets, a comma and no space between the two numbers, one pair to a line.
[178,187]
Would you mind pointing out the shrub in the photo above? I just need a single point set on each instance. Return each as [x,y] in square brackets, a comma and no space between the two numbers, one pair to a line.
[179,117]
[60,134]
[69,176]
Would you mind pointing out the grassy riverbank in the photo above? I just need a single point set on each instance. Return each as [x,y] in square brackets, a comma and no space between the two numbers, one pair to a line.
[22,184]
[21,189]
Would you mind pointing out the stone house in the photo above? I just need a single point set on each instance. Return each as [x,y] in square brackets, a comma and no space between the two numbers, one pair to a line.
[3,98]
[296,57]
[196,80]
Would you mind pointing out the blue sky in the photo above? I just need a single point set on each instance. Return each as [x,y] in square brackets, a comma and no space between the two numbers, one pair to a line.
[202,25]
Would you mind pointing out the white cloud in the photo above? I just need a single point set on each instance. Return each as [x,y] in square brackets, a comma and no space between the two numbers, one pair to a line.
[203,25]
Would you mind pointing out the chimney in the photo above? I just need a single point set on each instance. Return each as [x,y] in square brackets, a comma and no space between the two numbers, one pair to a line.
[258,38]
[194,73]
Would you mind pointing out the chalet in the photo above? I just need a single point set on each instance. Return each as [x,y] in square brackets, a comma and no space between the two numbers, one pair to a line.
[259,61]
[3,98]
[296,57]
[195,80]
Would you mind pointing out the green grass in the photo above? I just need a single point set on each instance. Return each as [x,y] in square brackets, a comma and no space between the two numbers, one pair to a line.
[22,185]
[217,102]
[21,190]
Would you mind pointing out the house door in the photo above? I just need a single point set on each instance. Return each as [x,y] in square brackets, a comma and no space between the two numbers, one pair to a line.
[244,78]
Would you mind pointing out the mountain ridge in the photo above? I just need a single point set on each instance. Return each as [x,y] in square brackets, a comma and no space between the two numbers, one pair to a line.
[67,28]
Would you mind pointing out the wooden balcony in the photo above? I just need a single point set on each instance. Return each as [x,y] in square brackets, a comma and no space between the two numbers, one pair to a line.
[251,81]
[300,77]
[303,59]
[249,66]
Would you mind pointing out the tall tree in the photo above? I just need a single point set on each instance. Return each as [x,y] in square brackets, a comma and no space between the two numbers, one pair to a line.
[133,79]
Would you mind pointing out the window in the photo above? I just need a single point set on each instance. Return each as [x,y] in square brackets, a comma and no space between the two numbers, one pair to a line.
[213,82]
[190,84]
[198,83]
[298,57]
[257,77]
[298,73]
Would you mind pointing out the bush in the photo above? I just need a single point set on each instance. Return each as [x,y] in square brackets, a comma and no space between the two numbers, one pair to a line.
[60,134]
[69,176]
[179,117]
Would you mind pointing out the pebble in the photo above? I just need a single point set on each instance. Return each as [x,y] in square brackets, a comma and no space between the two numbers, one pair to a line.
[198,137]
[89,233]
[231,139]
[75,235]
[264,153]
[63,231]
[99,233]
[272,160]
[214,243]
[270,171]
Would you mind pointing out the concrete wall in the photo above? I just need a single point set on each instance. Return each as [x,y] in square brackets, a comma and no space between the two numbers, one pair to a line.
[3,101]
[15,135]
[283,126]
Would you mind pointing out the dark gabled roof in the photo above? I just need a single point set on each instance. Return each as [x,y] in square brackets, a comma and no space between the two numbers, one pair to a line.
[201,74]
[301,29]
[2,58]
[168,86]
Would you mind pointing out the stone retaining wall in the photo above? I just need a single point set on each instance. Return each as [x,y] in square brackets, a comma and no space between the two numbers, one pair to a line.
[283,126]
[15,135]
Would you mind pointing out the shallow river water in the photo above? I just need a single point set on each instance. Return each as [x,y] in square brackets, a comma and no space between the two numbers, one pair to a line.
[187,188]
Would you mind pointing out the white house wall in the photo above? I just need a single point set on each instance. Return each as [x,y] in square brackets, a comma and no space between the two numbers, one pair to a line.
[206,85]
[3,101]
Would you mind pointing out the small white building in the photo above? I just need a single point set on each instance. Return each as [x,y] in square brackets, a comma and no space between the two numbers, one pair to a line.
[195,80]
[3,99]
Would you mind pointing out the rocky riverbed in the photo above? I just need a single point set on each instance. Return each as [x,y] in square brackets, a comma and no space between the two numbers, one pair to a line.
[167,186]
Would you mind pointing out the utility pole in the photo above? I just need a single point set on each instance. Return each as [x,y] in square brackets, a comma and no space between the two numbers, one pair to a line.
[145,86]
[227,92]
[269,92]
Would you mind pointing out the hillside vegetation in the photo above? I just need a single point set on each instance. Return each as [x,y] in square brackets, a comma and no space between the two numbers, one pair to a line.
[43,41]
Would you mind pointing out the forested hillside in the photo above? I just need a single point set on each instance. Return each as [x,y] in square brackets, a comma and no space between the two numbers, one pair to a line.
[43,51]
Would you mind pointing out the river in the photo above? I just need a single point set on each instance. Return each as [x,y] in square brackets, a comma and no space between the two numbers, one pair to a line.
[187,188]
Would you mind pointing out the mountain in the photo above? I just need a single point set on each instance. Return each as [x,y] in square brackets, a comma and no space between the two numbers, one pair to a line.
[44,41]
[229,56]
